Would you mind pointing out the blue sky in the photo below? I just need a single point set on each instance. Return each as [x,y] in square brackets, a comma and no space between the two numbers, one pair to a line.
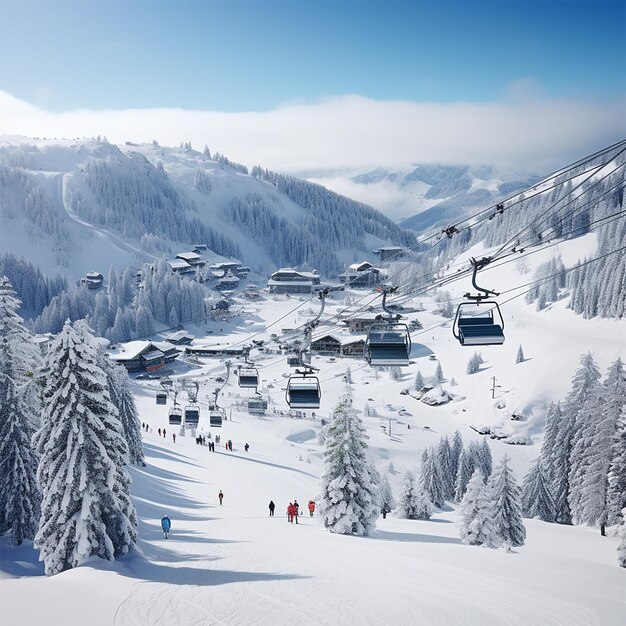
[254,56]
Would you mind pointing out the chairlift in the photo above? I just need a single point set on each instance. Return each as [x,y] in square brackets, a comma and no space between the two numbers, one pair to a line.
[161,398]
[479,321]
[192,415]
[215,418]
[388,341]
[248,378]
[303,391]
[175,416]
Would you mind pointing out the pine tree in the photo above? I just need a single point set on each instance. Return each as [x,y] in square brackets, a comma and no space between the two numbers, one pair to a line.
[19,492]
[483,458]
[473,365]
[444,459]
[419,381]
[349,499]
[432,477]
[86,507]
[455,453]
[414,502]
[439,377]
[621,548]
[536,498]
[560,466]
[464,473]
[385,497]
[477,525]
[124,401]
[507,504]
[519,358]
[616,492]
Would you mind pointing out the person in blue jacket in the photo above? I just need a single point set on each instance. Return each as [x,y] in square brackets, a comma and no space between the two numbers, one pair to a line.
[166,524]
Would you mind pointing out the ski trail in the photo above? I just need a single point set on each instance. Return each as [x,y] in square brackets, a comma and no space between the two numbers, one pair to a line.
[64,195]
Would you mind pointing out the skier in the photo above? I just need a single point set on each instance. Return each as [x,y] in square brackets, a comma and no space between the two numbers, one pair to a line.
[220,495]
[296,510]
[230,445]
[166,524]
[174,437]
[246,447]
[164,433]
[272,507]
[290,511]
[311,507]
[159,432]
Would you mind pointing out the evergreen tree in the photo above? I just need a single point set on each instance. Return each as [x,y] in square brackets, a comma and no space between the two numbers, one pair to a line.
[86,507]
[439,377]
[464,473]
[432,477]
[484,459]
[553,416]
[124,401]
[507,504]
[414,502]
[349,498]
[385,497]
[616,492]
[477,525]
[419,381]
[560,466]
[621,548]
[473,365]
[455,453]
[444,459]
[536,498]
[519,357]
[19,492]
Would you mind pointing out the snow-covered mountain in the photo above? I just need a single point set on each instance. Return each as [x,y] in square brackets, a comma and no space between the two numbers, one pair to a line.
[420,196]
[75,206]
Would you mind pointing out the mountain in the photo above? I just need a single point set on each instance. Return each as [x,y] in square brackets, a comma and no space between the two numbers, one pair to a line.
[73,206]
[421,196]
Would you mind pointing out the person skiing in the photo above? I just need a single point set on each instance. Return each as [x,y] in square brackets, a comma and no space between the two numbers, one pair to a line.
[164,433]
[290,511]
[272,507]
[296,510]
[159,432]
[220,495]
[174,437]
[166,524]
[246,447]
[311,507]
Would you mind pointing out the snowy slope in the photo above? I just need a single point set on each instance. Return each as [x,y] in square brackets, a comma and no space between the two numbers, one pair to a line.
[234,564]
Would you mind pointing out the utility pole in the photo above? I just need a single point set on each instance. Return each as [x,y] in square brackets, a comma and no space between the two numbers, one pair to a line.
[494,387]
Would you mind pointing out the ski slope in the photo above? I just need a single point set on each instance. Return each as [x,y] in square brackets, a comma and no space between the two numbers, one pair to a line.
[233,564]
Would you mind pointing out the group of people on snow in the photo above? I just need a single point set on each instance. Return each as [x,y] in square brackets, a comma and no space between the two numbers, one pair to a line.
[293,510]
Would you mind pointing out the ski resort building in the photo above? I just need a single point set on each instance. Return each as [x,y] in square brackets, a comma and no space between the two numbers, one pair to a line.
[214,350]
[144,356]
[180,266]
[387,252]
[93,280]
[360,323]
[337,345]
[180,338]
[290,281]
[362,275]
[191,258]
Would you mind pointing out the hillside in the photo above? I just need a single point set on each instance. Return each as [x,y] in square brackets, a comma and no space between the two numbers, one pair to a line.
[78,206]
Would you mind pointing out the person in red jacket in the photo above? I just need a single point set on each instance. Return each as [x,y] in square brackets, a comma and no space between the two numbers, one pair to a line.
[290,512]
[311,507]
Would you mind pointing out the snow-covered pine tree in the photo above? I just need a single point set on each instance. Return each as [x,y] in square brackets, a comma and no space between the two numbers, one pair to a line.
[536,498]
[444,459]
[507,505]
[519,357]
[600,433]
[553,416]
[86,506]
[477,514]
[621,548]
[19,491]
[124,401]
[464,473]
[385,496]
[439,377]
[616,493]
[455,453]
[419,380]
[414,502]
[473,365]
[349,501]
[432,477]
[560,465]
[483,458]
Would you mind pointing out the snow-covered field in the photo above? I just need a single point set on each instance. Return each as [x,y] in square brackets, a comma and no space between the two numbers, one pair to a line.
[234,564]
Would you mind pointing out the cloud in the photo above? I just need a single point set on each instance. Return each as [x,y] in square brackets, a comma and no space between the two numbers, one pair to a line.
[351,131]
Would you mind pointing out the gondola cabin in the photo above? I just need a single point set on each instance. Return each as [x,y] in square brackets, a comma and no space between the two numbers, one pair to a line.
[215,419]
[248,378]
[161,398]
[388,344]
[192,415]
[303,392]
[257,406]
[175,416]
[479,324]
